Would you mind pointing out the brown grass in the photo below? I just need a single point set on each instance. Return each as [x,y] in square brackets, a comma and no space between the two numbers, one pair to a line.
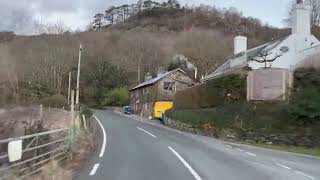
[53,171]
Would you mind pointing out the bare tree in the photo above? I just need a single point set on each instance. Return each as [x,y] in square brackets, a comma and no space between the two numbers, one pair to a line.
[206,49]
[264,57]
[43,27]
[8,73]
[315,13]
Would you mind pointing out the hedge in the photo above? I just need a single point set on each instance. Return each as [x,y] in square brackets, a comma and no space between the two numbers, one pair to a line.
[305,97]
[301,112]
[271,116]
[212,93]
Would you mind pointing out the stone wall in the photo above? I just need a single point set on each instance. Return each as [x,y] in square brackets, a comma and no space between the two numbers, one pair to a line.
[205,130]
[250,137]
[283,139]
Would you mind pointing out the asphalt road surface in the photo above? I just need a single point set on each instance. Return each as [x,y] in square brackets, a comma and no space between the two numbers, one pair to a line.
[133,150]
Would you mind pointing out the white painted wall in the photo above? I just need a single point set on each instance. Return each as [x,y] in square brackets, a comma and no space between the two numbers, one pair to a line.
[300,47]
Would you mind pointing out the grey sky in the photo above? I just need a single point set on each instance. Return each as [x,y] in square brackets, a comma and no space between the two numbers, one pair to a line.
[18,15]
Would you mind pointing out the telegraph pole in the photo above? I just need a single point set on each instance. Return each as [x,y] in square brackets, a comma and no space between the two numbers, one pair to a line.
[78,78]
[69,88]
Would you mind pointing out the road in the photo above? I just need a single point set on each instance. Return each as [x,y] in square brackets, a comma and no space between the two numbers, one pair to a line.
[135,150]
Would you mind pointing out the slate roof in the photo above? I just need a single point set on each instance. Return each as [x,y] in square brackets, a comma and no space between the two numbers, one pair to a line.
[154,80]
[253,52]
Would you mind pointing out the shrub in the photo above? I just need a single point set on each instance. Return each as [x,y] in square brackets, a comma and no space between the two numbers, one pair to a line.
[55,101]
[212,93]
[269,116]
[117,97]
[86,111]
[305,98]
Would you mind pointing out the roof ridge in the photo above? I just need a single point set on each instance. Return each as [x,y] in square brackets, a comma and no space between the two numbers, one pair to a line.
[156,79]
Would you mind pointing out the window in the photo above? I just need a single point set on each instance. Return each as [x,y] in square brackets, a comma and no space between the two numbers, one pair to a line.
[169,86]
[137,93]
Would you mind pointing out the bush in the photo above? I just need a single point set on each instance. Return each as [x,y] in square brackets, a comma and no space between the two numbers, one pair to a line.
[305,98]
[212,93]
[55,101]
[86,111]
[117,97]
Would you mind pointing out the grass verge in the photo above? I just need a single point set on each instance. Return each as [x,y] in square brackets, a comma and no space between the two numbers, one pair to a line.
[293,149]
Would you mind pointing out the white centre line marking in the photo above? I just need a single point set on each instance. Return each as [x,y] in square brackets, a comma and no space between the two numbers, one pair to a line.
[239,149]
[94,169]
[251,154]
[194,173]
[286,167]
[303,174]
[229,146]
[147,132]
[104,143]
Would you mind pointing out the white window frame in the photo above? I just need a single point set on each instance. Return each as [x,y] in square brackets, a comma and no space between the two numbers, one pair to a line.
[172,84]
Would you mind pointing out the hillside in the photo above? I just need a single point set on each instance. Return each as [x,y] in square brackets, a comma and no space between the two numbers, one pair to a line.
[229,22]
[36,67]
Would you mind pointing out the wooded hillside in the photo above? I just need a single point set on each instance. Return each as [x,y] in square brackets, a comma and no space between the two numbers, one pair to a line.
[36,67]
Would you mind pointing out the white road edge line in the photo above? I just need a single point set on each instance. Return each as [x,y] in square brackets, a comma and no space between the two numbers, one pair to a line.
[229,146]
[94,169]
[147,132]
[104,143]
[286,167]
[251,154]
[193,172]
[303,174]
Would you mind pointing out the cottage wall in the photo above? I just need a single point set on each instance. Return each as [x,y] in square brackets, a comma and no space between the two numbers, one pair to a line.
[142,100]
[180,80]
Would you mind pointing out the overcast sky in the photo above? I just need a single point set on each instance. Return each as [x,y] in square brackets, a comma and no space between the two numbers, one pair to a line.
[18,15]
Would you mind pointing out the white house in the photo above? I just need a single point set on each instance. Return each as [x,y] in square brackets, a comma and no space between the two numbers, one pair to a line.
[288,50]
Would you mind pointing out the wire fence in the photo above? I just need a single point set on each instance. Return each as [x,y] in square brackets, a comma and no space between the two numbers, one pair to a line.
[37,150]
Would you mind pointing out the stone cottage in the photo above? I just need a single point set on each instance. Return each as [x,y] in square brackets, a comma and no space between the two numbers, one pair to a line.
[162,88]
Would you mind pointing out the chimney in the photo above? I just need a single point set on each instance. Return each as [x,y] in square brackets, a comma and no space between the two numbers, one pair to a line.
[147,77]
[161,71]
[240,44]
[301,18]
[195,73]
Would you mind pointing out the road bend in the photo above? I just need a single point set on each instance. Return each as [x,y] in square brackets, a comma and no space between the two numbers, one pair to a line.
[133,150]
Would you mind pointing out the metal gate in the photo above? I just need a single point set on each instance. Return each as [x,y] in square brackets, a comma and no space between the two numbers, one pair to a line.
[37,150]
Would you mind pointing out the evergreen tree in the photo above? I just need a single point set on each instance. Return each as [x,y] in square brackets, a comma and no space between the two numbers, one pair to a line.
[97,22]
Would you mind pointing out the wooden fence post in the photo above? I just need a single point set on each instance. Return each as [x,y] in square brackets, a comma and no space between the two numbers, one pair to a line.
[72,107]
[84,122]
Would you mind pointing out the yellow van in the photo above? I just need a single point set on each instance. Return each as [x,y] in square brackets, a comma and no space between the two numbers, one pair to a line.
[161,107]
